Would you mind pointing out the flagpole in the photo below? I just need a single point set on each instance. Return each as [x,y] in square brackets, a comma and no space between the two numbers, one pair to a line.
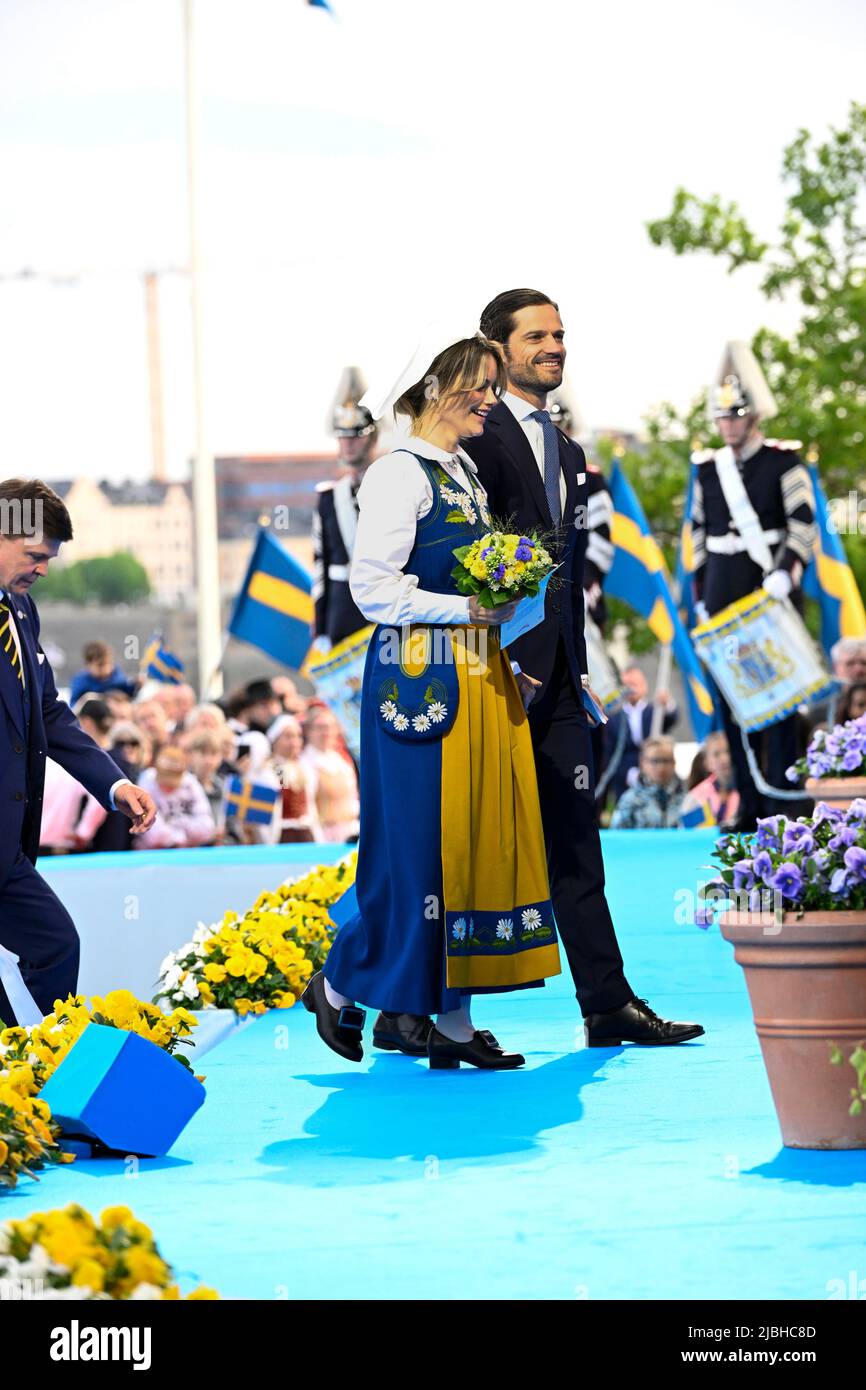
[203,478]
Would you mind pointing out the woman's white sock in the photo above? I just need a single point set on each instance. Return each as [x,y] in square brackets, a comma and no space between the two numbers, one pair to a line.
[457,1024]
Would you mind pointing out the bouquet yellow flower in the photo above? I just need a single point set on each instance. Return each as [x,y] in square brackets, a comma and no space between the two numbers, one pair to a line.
[28,1139]
[263,959]
[501,567]
[67,1254]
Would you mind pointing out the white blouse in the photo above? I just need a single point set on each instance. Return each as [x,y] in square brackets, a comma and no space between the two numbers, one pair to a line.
[393,497]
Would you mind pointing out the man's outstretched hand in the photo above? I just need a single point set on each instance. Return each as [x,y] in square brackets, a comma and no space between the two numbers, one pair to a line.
[138,805]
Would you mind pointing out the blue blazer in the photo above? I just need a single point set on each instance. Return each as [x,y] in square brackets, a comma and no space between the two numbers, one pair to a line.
[50,731]
[512,480]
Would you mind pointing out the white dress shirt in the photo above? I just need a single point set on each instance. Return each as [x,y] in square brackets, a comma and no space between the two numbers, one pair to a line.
[522,411]
[393,497]
[9,600]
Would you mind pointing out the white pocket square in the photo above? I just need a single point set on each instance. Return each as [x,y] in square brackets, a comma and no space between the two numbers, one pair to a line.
[581,479]
[40,657]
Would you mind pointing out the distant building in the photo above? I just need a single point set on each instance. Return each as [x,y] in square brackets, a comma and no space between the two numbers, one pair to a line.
[251,486]
[151,520]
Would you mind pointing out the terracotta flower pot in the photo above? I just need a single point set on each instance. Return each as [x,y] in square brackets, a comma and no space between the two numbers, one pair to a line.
[836,791]
[807,984]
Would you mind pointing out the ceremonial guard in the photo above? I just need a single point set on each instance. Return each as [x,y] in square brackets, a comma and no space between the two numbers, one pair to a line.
[599,516]
[753,526]
[335,520]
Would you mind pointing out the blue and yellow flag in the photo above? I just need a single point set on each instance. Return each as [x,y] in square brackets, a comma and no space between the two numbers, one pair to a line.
[640,578]
[161,664]
[274,608]
[829,578]
[250,802]
[697,815]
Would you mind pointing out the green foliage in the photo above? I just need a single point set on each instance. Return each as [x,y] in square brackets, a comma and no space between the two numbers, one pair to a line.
[819,256]
[104,579]
[857,1060]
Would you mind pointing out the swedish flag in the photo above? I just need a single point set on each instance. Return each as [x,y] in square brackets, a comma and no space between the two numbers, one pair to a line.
[250,802]
[640,578]
[697,815]
[274,608]
[161,664]
[829,579]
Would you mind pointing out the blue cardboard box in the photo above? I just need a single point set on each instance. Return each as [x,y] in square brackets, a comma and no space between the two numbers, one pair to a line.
[122,1091]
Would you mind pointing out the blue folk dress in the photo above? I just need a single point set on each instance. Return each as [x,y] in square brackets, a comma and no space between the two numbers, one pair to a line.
[452,888]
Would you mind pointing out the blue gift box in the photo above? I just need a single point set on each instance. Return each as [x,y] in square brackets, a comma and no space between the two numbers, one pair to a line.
[122,1091]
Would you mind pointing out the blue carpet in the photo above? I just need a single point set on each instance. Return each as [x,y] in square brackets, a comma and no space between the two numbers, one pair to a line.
[630,1173]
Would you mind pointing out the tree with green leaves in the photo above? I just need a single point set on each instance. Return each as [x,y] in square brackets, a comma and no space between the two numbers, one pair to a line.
[818,374]
[104,579]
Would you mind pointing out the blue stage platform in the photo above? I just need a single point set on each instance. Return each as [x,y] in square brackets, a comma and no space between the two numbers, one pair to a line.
[617,1174]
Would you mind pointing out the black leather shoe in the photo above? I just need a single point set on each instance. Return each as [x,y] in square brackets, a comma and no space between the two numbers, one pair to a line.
[402,1033]
[339,1028]
[636,1022]
[445,1054]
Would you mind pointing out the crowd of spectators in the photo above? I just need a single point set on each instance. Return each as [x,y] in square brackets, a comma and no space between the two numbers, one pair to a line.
[185,753]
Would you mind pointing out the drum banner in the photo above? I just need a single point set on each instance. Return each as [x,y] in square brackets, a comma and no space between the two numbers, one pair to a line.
[763,660]
[338,675]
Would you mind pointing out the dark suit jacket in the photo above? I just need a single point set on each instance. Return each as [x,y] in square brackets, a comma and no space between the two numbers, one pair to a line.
[53,732]
[512,479]
[631,750]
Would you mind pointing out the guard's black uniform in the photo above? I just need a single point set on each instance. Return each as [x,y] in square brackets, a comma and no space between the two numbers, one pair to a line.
[334,523]
[599,547]
[779,488]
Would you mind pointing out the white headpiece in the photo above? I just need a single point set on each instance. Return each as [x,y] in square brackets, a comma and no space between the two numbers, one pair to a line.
[435,338]
[740,384]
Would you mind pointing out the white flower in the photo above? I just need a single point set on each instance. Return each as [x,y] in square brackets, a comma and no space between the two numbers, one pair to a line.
[450,495]
[437,711]
[167,963]
[388,710]
[420,723]
[172,976]
[504,928]
[531,919]
[458,929]
[202,932]
[146,1293]
[187,949]
[467,509]
[401,723]
[190,988]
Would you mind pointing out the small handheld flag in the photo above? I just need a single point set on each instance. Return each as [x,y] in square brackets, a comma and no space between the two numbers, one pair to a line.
[697,815]
[829,578]
[252,803]
[274,609]
[161,664]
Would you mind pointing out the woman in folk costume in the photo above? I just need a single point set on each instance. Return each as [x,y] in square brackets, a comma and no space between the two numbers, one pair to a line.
[453,897]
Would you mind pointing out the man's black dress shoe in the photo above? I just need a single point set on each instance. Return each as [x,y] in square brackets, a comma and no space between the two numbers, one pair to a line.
[636,1022]
[445,1053]
[402,1033]
[339,1028]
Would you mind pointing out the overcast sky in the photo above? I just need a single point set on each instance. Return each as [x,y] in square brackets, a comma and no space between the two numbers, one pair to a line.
[362,174]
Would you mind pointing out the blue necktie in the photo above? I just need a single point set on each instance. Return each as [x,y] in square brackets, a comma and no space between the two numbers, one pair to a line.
[551,464]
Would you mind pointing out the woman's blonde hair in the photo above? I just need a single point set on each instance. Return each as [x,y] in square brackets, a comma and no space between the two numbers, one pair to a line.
[460,367]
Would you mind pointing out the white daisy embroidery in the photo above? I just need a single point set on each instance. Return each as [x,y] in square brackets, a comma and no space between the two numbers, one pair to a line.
[505,929]
[531,919]
[458,929]
[400,722]
[420,723]
[450,495]
[437,711]
[388,710]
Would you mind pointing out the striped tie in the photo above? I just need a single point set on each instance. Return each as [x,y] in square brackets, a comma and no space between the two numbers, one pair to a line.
[7,641]
[551,464]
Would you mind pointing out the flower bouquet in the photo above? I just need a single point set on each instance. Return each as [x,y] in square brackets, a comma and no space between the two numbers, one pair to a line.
[66,1254]
[264,958]
[501,567]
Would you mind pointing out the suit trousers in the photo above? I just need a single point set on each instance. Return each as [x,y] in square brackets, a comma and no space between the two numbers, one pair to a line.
[564,766]
[777,747]
[36,926]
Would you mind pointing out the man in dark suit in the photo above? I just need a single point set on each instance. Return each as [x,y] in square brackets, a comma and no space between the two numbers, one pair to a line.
[536,481]
[627,729]
[36,724]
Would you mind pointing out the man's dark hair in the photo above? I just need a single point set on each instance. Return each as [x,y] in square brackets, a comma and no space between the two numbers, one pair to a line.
[497,319]
[98,712]
[256,691]
[28,497]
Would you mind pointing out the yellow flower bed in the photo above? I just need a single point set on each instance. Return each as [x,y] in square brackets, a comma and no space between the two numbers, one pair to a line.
[264,958]
[28,1056]
[68,1254]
